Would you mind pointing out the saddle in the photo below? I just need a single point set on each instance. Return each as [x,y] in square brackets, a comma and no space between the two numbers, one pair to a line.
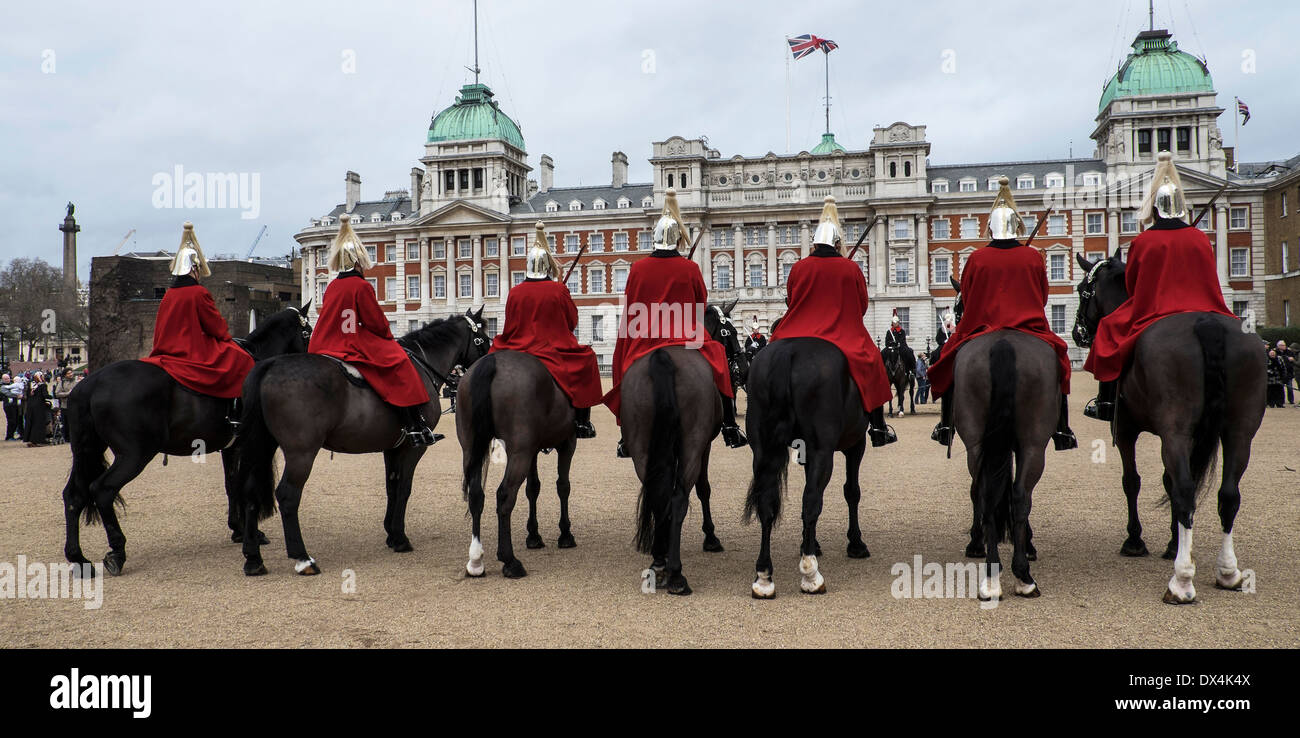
[351,372]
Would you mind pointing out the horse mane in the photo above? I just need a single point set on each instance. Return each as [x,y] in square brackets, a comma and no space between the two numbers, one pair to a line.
[272,324]
[435,332]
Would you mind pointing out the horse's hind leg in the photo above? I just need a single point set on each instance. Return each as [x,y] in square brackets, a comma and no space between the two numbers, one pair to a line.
[234,515]
[817,474]
[399,471]
[104,491]
[474,497]
[704,491]
[532,489]
[1127,443]
[76,498]
[517,468]
[288,495]
[975,549]
[1236,455]
[1171,549]
[1176,453]
[1029,469]
[562,487]
[852,496]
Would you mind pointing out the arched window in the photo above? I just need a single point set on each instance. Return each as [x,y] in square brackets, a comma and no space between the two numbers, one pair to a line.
[893,169]
[907,169]
[670,179]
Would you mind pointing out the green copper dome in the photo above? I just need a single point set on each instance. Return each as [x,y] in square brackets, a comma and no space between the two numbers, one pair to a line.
[1157,67]
[828,145]
[475,115]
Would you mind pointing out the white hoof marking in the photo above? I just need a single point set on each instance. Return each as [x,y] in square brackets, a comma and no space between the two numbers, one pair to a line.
[475,565]
[301,566]
[764,588]
[811,580]
[1023,589]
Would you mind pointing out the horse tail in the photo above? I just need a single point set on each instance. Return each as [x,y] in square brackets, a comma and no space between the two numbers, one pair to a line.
[663,466]
[88,452]
[1213,337]
[482,426]
[997,446]
[256,465]
[771,424]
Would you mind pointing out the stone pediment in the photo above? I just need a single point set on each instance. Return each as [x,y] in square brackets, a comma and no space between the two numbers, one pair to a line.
[462,212]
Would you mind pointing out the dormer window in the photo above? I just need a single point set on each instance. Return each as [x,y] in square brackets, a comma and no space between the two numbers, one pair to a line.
[939,186]
[375,217]
[598,204]
[647,202]
[575,205]
[623,202]
[966,185]
[397,216]
[1055,180]
[1025,182]
[552,207]
[1092,179]
[993,183]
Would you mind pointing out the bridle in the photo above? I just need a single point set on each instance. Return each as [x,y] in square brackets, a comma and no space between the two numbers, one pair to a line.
[302,323]
[727,329]
[1083,333]
[421,359]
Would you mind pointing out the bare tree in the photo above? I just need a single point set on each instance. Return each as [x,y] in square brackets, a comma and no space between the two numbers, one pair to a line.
[35,305]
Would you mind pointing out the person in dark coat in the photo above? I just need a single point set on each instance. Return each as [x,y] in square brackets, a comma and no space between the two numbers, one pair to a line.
[36,422]
[1288,370]
[1275,373]
[11,393]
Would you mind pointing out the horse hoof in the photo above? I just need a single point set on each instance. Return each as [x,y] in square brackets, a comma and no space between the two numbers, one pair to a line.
[1031,555]
[113,562]
[262,540]
[974,551]
[514,570]
[712,544]
[252,569]
[566,540]
[1172,599]
[83,569]
[858,550]
[475,569]
[1028,591]
[1134,549]
[677,585]
[1231,582]
[306,568]
[820,589]
[402,546]
[763,588]
[534,541]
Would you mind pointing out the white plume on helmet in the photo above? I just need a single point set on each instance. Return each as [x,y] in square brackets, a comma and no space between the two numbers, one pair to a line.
[541,262]
[1166,197]
[189,254]
[829,231]
[670,229]
[347,251]
[1004,220]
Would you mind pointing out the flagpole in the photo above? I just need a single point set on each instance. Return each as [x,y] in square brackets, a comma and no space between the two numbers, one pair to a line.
[828,90]
[1236,135]
[786,53]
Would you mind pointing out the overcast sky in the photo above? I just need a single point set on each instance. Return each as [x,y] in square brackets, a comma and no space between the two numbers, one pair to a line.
[99,98]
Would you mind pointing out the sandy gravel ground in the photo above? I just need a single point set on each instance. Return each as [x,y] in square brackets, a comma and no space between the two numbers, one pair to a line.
[183,584]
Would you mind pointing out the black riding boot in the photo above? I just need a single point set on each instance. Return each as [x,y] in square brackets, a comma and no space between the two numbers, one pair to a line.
[582,422]
[1102,407]
[1063,438]
[943,431]
[416,428]
[731,433]
[232,416]
[881,434]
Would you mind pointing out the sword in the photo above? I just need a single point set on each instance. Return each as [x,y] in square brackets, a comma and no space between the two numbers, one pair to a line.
[695,243]
[863,236]
[574,265]
[1210,204]
[1038,225]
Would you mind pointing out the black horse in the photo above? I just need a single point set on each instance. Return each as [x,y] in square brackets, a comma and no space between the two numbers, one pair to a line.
[901,377]
[802,395]
[1176,387]
[301,404]
[717,321]
[137,410]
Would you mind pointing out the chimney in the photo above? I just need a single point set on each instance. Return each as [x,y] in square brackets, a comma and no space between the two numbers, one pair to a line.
[417,188]
[532,188]
[547,167]
[353,181]
[620,169]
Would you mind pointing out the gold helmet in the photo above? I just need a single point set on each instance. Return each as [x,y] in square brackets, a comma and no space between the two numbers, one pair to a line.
[189,255]
[670,230]
[1167,198]
[541,262]
[1004,221]
[829,232]
[347,252]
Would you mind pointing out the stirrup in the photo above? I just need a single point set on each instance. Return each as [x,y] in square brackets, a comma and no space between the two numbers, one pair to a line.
[733,437]
[942,434]
[234,425]
[882,436]
[1065,440]
[620,452]
[584,430]
[421,436]
[1098,410]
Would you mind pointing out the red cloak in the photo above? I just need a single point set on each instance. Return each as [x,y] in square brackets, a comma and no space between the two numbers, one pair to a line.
[664,306]
[353,328]
[1003,288]
[540,319]
[1169,271]
[192,343]
[827,298]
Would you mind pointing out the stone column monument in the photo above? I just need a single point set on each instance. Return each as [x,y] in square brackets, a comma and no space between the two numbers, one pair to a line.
[70,229]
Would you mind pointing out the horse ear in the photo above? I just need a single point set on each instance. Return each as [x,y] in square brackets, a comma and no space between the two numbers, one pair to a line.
[478,317]
[1084,263]
[955,284]
[732,306]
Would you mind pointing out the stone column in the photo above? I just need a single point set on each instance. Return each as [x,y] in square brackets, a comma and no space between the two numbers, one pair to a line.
[69,229]
[738,271]
[1221,242]
[706,256]
[503,259]
[772,273]
[453,279]
[1112,231]
[923,256]
[426,283]
[879,245]
[805,239]
[476,248]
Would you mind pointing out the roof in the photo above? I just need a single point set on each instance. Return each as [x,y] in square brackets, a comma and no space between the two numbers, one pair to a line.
[386,207]
[1268,168]
[828,145]
[1156,67]
[1012,169]
[585,195]
[475,115]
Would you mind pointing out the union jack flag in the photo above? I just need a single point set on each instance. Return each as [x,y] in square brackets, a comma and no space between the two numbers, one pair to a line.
[1242,110]
[801,46]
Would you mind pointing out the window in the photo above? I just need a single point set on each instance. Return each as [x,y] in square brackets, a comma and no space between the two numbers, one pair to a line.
[1162,139]
[1054,181]
[490,247]
[598,204]
[1025,183]
[902,228]
[1096,256]
[1128,222]
[785,271]
[466,285]
[370,251]
[942,228]
[1095,223]
[392,326]
[1283,204]
[439,249]
[440,286]
[722,277]
[1237,218]
[754,236]
[412,326]
[464,178]
[390,288]
[575,283]
[852,231]
[413,287]
[1239,308]
[449,181]
[492,327]
[623,202]
[994,184]
[552,207]
[939,186]
[596,241]
[724,238]
[596,281]
[755,275]
[517,245]
[942,270]
[320,290]
[1239,262]
[1058,318]
[787,235]
[902,273]
[966,185]
[904,318]
[550,241]
[1207,223]
[575,205]
[516,278]
[620,241]
[644,241]
[1031,222]
[412,250]
[571,243]
[597,328]
[893,169]
[374,285]
[1092,179]
[1284,258]
[862,264]
[1184,140]
[620,279]
[647,202]
[478,178]
[1144,143]
[970,228]
[491,284]
[463,248]
[907,169]
[397,216]
[1056,268]
[1055,225]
